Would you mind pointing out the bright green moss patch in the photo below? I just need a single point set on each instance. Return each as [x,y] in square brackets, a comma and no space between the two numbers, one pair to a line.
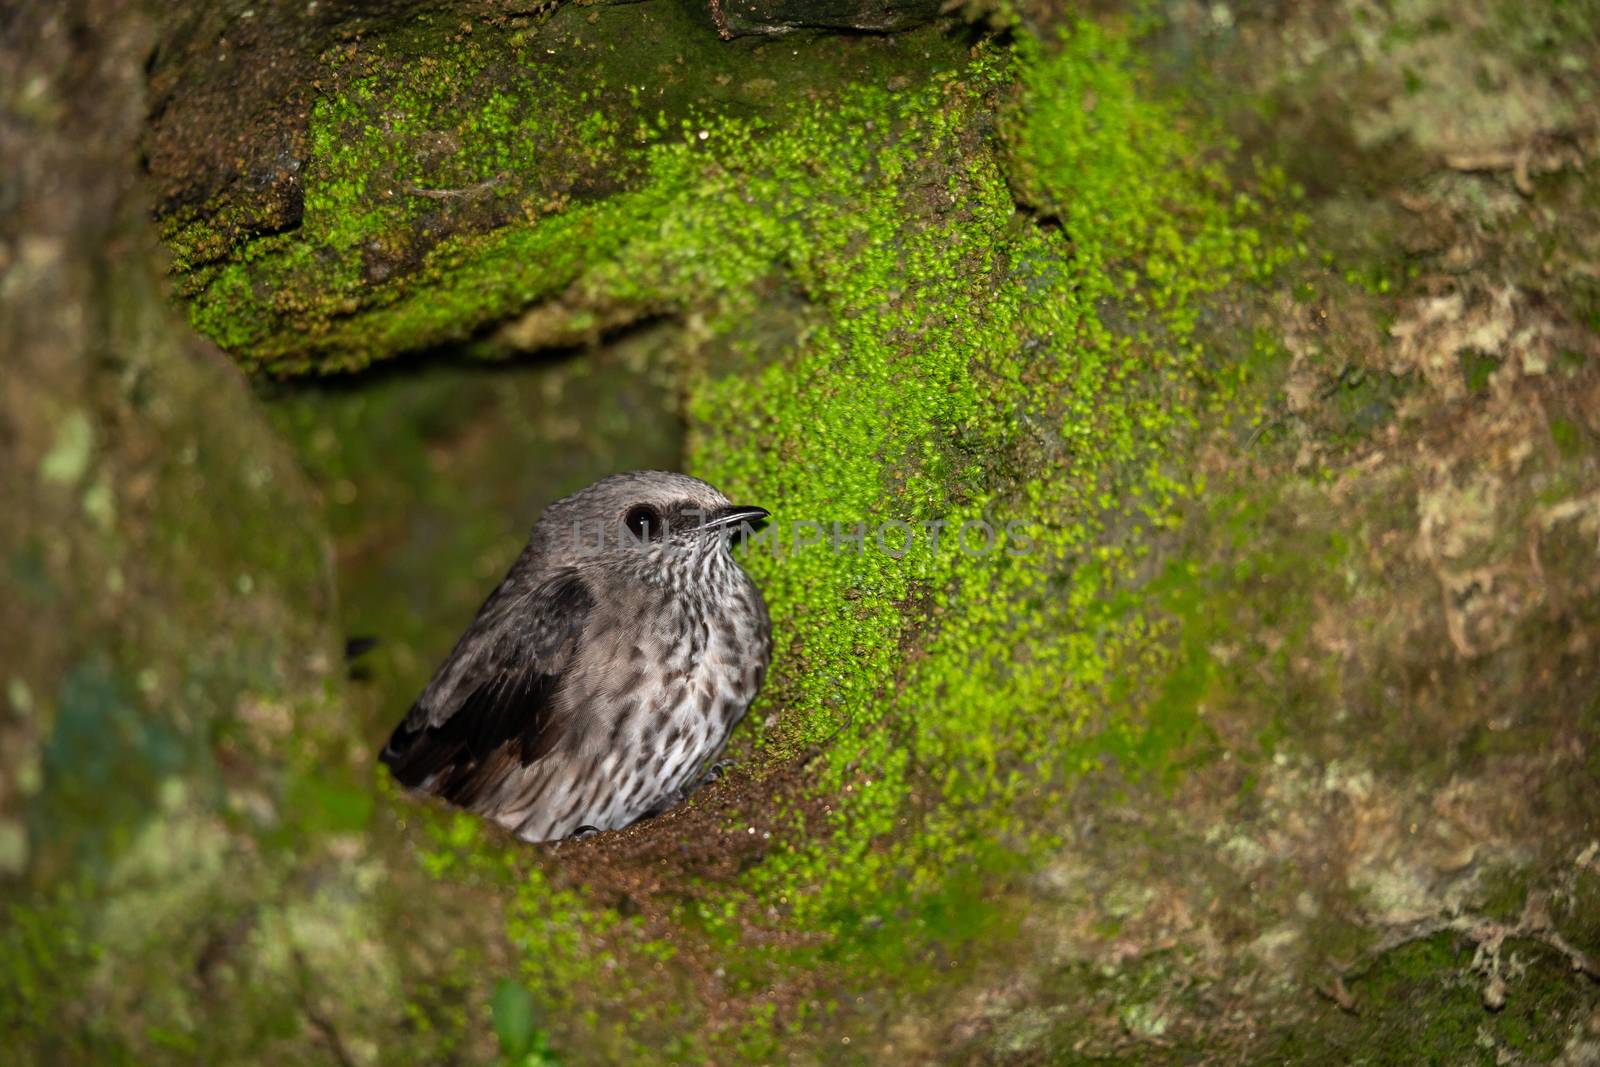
[453,178]
[970,334]
[877,337]
[964,367]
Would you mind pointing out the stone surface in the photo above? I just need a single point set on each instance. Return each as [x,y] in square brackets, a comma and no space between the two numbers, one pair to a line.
[738,18]
[180,812]
[1283,741]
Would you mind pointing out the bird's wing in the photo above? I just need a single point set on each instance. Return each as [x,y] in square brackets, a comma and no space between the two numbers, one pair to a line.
[492,705]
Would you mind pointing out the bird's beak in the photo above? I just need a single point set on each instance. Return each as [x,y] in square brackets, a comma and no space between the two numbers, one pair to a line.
[736,516]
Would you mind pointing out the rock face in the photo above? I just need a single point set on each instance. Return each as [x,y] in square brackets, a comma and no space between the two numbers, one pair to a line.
[179,817]
[150,499]
[1186,556]
[430,185]
[230,86]
[740,18]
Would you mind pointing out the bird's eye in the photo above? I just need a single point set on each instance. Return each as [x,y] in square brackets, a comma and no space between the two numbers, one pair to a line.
[643,522]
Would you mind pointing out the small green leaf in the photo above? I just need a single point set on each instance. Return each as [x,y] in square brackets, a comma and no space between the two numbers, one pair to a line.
[512,1009]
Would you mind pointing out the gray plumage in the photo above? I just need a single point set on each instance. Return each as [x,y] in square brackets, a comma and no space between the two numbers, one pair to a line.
[600,681]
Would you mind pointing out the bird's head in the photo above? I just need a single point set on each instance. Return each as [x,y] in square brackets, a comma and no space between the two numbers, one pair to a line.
[645,517]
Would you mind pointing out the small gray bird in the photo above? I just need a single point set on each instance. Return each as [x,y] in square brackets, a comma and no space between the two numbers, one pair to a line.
[599,683]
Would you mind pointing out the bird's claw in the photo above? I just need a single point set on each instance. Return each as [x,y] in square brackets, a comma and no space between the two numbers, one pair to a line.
[583,833]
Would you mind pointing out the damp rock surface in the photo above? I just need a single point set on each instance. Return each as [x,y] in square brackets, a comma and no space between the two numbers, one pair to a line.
[1260,727]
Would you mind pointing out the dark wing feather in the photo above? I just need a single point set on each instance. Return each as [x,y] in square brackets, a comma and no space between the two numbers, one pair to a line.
[503,708]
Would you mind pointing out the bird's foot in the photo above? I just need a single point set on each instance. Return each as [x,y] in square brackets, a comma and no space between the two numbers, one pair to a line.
[583,833]
[667,803]
[712,773]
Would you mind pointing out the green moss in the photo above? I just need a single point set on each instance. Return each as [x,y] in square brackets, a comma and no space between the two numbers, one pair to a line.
[1146,996]
[1422,1003]
[1545,34]
[1568,437]
[871,331]
[454,178]
[1476,367]
[1505,892]
[960,362]
[47,954]
[1577,910]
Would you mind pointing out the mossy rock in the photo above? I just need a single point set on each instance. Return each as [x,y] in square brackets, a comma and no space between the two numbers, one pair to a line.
[455,173]
[1265,710]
